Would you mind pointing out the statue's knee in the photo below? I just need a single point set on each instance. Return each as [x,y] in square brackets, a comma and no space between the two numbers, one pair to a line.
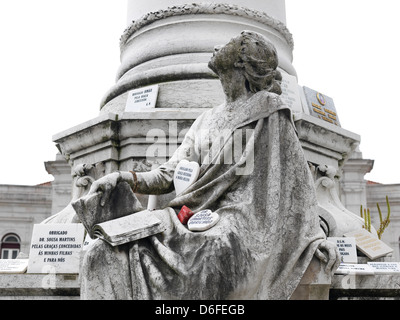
[95,253]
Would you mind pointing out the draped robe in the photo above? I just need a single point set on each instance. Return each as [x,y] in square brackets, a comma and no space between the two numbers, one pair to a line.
[264,193]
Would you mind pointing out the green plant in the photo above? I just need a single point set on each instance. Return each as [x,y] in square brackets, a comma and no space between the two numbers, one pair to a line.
[384,223]
[367,218]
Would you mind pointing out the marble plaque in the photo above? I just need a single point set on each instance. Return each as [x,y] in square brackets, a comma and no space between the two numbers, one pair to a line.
[290,92]
[143,98]
[57,246]
[347,248]
[321,106]
[385,267]
[13,265]
[203,220]
[186,173]
[369,244]
[349,268]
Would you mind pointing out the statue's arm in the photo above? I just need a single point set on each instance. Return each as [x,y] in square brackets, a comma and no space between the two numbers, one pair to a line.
[157,181]
[160,180]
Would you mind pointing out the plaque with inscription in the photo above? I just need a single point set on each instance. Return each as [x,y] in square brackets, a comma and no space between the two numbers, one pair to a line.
[290,93]
[143,98]
[369,244]
[203,220]
[56,247]
[347,248]
[13,265]
[385,267]
[321,106]
[360,269]
[186,173]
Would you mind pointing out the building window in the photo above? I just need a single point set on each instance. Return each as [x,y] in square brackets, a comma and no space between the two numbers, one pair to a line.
[10,246]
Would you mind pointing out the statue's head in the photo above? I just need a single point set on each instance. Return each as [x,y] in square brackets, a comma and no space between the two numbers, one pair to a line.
[254,56]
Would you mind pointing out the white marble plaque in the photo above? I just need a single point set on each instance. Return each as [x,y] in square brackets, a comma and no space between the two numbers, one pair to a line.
[347,248]
[203,220]
[186,173]
[385,267]
[13,265]
[56,247]
[369,244]
[360,269]
[143,98]
[290,92]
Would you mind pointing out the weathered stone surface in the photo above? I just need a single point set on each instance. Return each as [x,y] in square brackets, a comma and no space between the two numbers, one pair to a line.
[263,191]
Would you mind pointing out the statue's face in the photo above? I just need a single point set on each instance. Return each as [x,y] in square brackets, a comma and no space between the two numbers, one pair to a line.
[225,57]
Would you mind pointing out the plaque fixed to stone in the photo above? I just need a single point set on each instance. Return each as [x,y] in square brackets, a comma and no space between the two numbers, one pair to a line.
[349,268]
[186,173]
[203,220]
[370,245]
[143,98]
[321,106]
[347,248]
[385,267]
[290,92]
[56,247]
[13,265]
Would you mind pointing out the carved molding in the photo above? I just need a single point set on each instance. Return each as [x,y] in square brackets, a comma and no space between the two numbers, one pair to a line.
[207,8]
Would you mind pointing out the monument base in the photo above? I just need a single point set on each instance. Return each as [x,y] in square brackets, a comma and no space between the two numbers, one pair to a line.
[39,287]
[315,285]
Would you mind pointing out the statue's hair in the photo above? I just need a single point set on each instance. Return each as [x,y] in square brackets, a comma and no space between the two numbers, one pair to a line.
[259,59]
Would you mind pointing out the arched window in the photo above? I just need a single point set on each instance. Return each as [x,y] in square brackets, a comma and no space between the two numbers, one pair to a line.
[10,246]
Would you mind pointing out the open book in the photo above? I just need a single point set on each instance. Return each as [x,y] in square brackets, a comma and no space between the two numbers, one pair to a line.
[118,221]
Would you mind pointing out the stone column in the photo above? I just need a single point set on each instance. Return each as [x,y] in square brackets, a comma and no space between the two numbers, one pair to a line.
[169,43]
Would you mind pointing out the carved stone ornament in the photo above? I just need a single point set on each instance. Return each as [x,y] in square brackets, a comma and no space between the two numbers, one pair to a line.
[337,219]
[207,8]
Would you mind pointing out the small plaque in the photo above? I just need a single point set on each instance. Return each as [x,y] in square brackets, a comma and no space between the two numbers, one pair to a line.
[371,246]
[321,106]
[347,249]
[385,267]
[57,246]
[143,98]
[349,268]
[290,92]
[13,265]
[186,173]
[203,220]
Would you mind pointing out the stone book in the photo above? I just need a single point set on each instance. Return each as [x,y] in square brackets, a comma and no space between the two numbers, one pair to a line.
[120,220]
[129,228]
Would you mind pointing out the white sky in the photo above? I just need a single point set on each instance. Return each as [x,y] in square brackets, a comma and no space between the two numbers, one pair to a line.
[58,59]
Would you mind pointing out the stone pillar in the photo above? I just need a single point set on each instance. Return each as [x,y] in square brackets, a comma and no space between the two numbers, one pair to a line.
[62,184]
[352,184]
[169,43]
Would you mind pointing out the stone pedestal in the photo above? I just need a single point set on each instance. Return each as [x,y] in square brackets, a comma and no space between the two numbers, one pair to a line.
[315,284]
[39,287]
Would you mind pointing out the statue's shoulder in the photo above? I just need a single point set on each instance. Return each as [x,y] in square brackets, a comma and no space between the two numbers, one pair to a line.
[265,99]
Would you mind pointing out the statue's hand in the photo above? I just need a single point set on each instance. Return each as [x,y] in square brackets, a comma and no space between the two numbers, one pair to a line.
[328,253]
[105,185]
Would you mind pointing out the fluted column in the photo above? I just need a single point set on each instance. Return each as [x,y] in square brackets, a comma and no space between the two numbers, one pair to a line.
[169,43]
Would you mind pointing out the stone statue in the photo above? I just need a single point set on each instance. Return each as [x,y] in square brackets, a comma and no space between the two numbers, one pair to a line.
[264,193]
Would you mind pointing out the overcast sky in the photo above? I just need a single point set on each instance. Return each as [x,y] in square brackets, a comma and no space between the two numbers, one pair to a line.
[58,59]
